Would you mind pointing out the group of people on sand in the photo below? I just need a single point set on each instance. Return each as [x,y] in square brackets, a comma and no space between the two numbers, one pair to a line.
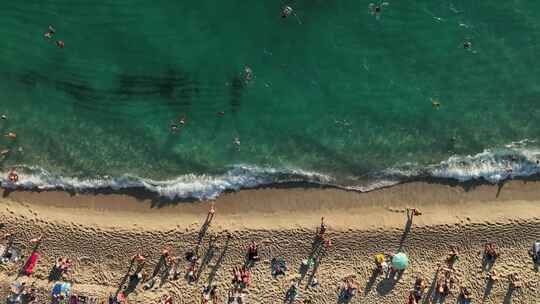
[347,288]
[167,265]
[445,279]
[384,267]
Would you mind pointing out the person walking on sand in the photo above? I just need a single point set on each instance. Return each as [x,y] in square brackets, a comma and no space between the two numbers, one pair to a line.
[322,228]
[138,258]
[490,252]
[211,211]
[453,256]
[412,212]
[253,252]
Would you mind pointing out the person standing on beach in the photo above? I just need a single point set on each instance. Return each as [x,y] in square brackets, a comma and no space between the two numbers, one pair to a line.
[322,228]
[411,213]
[211,212]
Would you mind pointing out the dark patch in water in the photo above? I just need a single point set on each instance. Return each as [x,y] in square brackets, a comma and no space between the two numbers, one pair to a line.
[235,93]
[175,86]
[80,91]
[32,79]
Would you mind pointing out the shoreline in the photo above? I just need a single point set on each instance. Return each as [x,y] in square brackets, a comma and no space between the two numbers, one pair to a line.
[101,231]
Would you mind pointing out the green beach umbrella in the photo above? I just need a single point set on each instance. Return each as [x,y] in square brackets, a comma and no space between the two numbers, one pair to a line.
[400,261]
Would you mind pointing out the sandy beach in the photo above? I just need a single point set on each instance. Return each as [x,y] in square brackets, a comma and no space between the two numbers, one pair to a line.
[101,232]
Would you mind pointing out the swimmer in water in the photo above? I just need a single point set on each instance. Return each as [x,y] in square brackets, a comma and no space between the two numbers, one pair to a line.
[248,74]
[221,113]
[377,9]
[435,103]
[286,11]
[182,121]
[60,44]
[50,33]
[174,128]
[13,176]
[237,141]
[467,45]
[4,116]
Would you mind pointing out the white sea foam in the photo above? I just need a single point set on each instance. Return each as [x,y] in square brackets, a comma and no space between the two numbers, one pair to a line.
[186,186]
[513,160]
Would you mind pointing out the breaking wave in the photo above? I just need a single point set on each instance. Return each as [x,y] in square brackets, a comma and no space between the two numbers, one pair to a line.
[494,165]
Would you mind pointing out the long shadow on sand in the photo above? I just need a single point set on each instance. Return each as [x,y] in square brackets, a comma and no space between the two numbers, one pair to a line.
[219,261]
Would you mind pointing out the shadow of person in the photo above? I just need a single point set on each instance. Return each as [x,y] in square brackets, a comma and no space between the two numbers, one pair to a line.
[385,286]
[406,230]
[508,296]
[314,271]
[344,297]
[209,254]
[374,274]
[204,227]
[487,290]
[124,278]
[219,261]
[500,185]
[432,287]
[487,263]
[55,274]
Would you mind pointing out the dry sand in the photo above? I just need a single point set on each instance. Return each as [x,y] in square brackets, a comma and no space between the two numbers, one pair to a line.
[101,232]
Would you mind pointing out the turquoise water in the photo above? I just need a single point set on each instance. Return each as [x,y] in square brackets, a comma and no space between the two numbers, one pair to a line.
[338,95]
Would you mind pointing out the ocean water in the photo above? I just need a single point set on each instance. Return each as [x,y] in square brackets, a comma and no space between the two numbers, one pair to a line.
[338,96]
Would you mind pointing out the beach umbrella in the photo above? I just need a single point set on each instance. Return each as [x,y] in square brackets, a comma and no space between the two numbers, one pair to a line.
[400,261]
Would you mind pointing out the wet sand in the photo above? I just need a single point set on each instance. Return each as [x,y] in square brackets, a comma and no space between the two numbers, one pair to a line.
[102,231]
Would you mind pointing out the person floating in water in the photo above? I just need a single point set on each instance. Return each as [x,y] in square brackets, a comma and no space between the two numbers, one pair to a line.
[174,128]
[248,74]
[13,176]
[3,116]
[50,32]
[11,135]
[182,120]
[376,10]
[286,11]
[60,44]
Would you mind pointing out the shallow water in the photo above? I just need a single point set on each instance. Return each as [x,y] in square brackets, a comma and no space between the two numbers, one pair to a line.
[338,96]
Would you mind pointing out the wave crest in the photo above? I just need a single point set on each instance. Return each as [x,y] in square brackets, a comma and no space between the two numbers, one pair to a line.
[513,160]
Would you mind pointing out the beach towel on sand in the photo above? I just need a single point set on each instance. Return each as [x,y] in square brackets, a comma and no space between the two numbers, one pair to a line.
[31,263]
